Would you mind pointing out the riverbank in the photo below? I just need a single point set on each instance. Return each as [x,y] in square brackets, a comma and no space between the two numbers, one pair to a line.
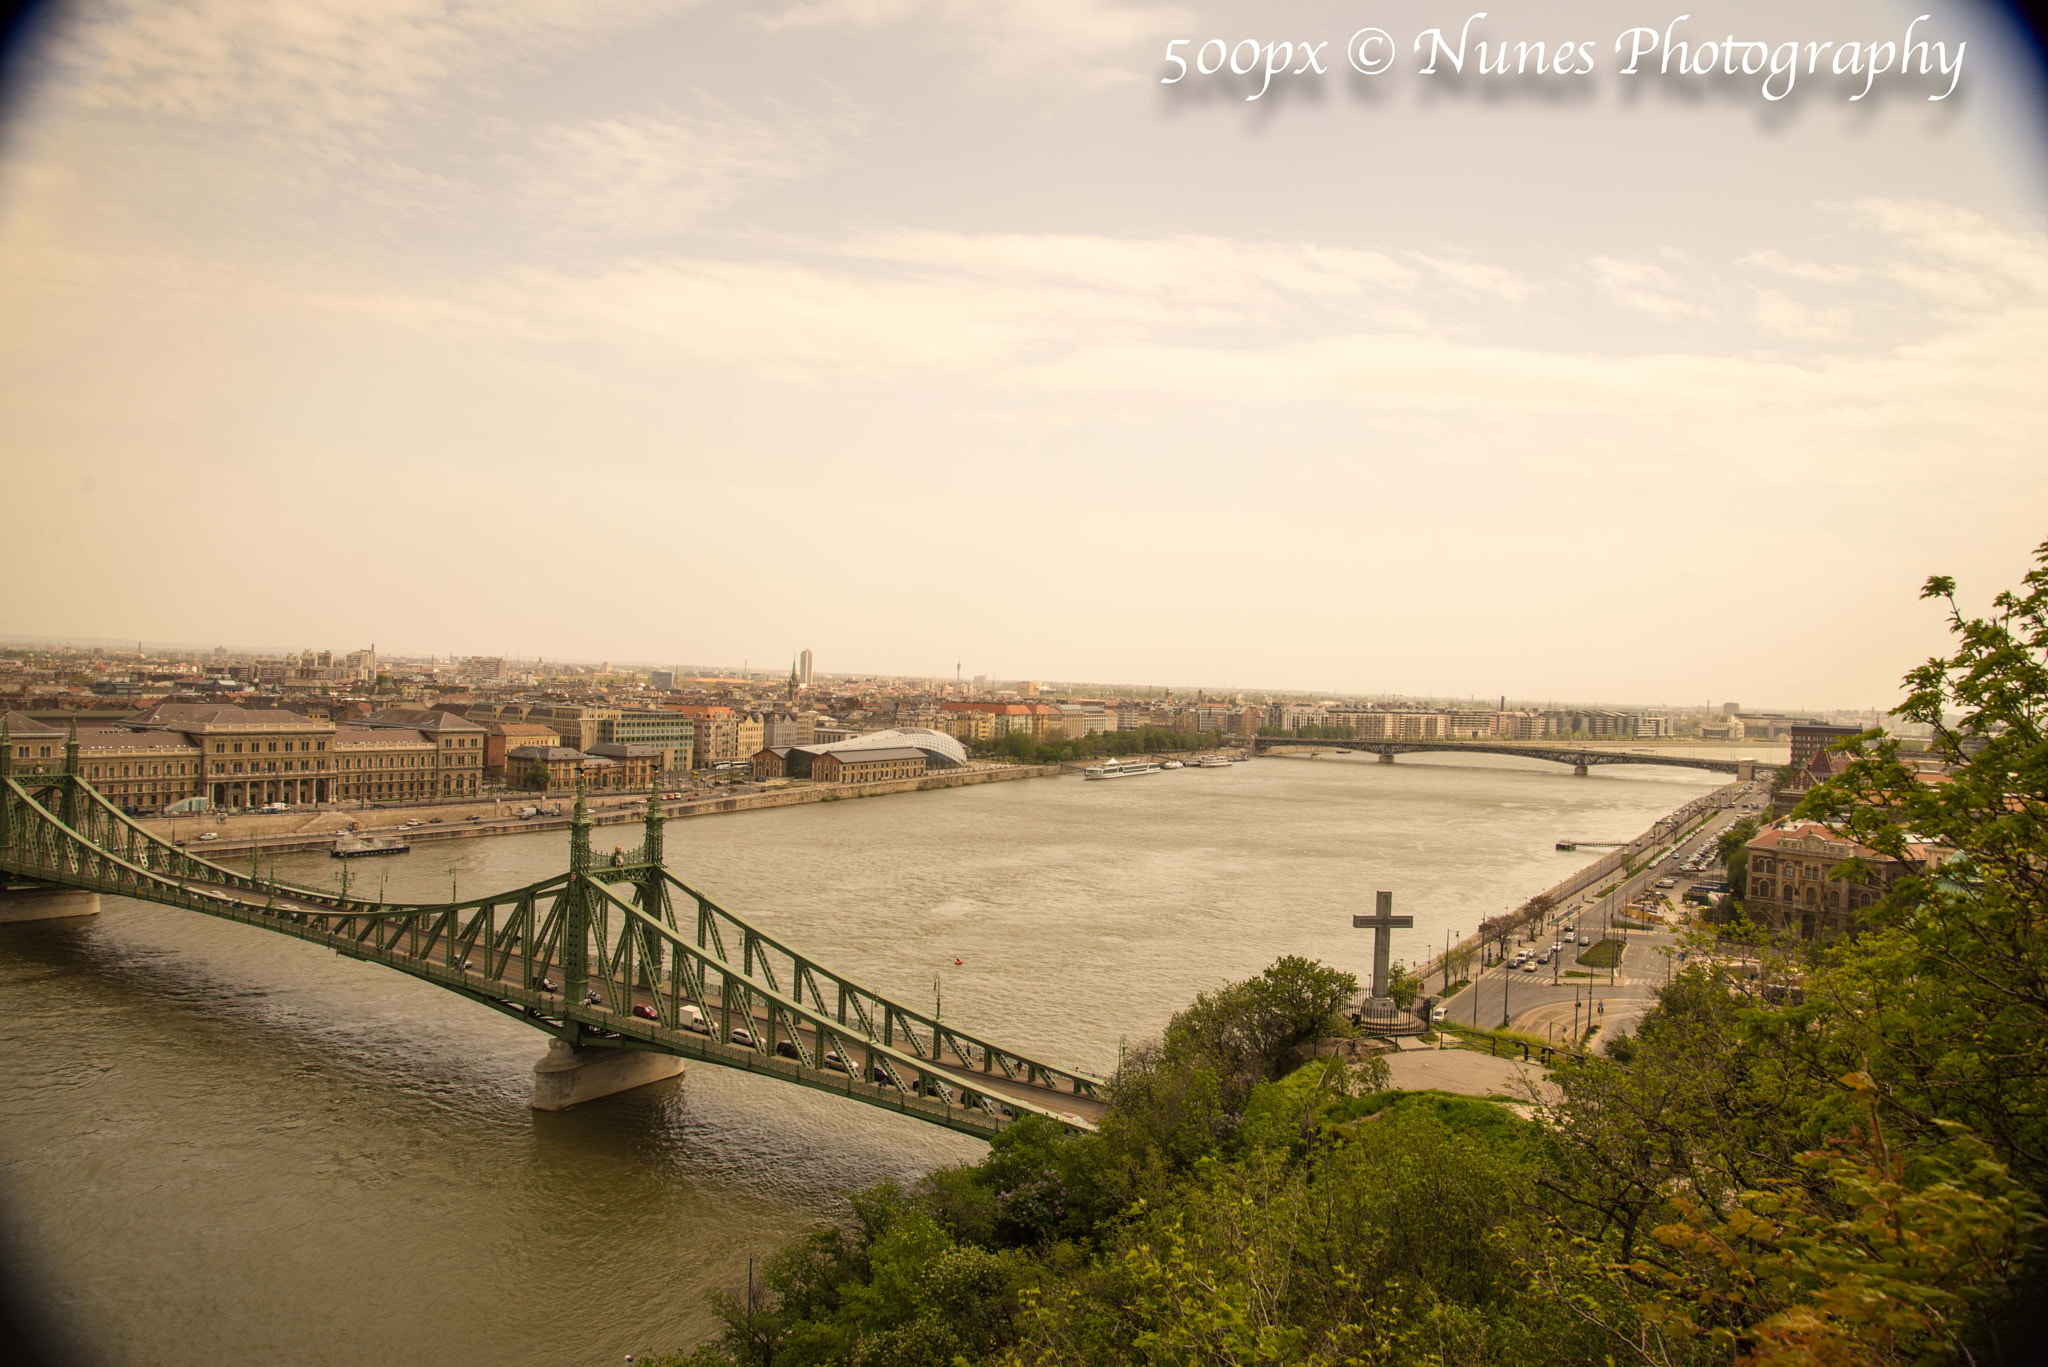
[296,831]
[1663,831]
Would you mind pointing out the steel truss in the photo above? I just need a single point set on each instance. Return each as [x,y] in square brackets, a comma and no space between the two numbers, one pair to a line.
[572,956]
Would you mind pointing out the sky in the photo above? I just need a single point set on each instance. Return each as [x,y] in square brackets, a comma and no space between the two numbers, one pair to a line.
[924,332]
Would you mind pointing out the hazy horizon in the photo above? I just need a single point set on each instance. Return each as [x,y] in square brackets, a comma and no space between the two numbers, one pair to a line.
[924,331]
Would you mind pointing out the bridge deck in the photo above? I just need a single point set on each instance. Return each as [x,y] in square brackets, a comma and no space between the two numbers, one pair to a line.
[522,938]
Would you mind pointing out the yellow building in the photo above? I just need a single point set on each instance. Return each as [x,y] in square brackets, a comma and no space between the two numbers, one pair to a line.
[384,764]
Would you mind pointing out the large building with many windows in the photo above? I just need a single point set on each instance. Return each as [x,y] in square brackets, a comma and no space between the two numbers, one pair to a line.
[236,758]
[250,756]
[458,767]
[868,765]
[715,738]
[1792,882]
[671,733]
[384,764]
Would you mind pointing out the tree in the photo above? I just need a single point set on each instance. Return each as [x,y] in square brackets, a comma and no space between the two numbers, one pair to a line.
[1403,986]
[535,779]
[1732,849]
[1946,998]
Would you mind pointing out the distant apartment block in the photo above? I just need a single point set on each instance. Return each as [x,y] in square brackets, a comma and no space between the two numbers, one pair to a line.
[716,739]
[670,733]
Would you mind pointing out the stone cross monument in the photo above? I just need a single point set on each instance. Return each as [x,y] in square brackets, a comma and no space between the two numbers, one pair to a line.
[1380,923]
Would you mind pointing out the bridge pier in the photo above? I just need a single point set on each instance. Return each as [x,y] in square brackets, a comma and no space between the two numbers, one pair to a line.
[1386,756]
[1578,771]
[45,904]
[568,1077]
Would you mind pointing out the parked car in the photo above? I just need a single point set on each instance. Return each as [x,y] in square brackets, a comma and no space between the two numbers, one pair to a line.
[1436,1017]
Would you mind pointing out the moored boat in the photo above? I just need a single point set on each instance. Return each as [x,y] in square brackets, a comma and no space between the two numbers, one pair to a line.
[364,846]
[1120,768]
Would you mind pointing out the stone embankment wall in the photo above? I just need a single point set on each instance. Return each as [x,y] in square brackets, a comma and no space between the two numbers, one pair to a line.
[318,830]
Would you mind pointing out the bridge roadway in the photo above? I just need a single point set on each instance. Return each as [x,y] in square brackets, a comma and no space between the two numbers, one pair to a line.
[1581,758]
[571,957]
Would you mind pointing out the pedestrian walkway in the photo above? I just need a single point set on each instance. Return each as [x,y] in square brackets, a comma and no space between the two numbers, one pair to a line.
[1470,1074]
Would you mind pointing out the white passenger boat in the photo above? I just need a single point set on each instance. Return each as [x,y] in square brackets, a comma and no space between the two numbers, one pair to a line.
[1212,762]
[1172,764]
[360,847]
[1120,768]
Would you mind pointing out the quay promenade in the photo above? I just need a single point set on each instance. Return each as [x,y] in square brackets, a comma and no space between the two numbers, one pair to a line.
[317,830]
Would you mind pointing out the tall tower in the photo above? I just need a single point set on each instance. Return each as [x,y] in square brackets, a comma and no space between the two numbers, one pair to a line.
[804,671]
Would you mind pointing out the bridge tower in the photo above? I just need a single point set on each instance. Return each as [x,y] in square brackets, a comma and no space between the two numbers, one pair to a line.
[576,912]
[6,772]
[571,1073]
[652,894]
[73,777]
[29,900]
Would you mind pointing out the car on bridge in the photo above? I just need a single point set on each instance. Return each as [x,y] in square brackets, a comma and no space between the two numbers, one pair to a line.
[645,1012]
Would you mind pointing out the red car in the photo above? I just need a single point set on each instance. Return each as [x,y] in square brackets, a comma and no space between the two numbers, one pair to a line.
[645,1012]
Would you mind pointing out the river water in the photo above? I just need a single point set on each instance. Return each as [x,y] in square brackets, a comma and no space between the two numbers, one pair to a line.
[222,1146]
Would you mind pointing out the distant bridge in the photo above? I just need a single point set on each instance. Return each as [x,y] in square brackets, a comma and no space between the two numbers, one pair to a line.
[615,979]
[1581,758]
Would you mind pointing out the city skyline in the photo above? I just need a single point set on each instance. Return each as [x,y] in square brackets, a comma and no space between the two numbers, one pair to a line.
[701,671]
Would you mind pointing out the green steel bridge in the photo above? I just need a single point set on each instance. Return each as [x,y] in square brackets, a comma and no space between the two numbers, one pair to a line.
[596,957]
[1581,758]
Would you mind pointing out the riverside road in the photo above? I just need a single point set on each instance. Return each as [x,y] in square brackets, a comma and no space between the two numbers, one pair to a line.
[1564,995]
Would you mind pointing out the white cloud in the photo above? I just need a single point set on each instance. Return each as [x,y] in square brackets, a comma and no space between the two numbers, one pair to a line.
[318,69]
[1648,288]
[651,175]
[1963,240]
[1784,317]
[1090,40]
[1821,272]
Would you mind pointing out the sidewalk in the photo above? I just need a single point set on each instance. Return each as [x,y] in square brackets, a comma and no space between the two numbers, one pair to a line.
[1470,1074]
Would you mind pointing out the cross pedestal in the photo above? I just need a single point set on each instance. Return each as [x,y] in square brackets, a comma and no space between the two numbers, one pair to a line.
[1379,923]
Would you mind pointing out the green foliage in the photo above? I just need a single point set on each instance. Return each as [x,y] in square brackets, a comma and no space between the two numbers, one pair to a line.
[1942,1000]
[1731,847]
[1852,1179]
[1852,1261]
[1403,986]
[1603,954]
[1058,748]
